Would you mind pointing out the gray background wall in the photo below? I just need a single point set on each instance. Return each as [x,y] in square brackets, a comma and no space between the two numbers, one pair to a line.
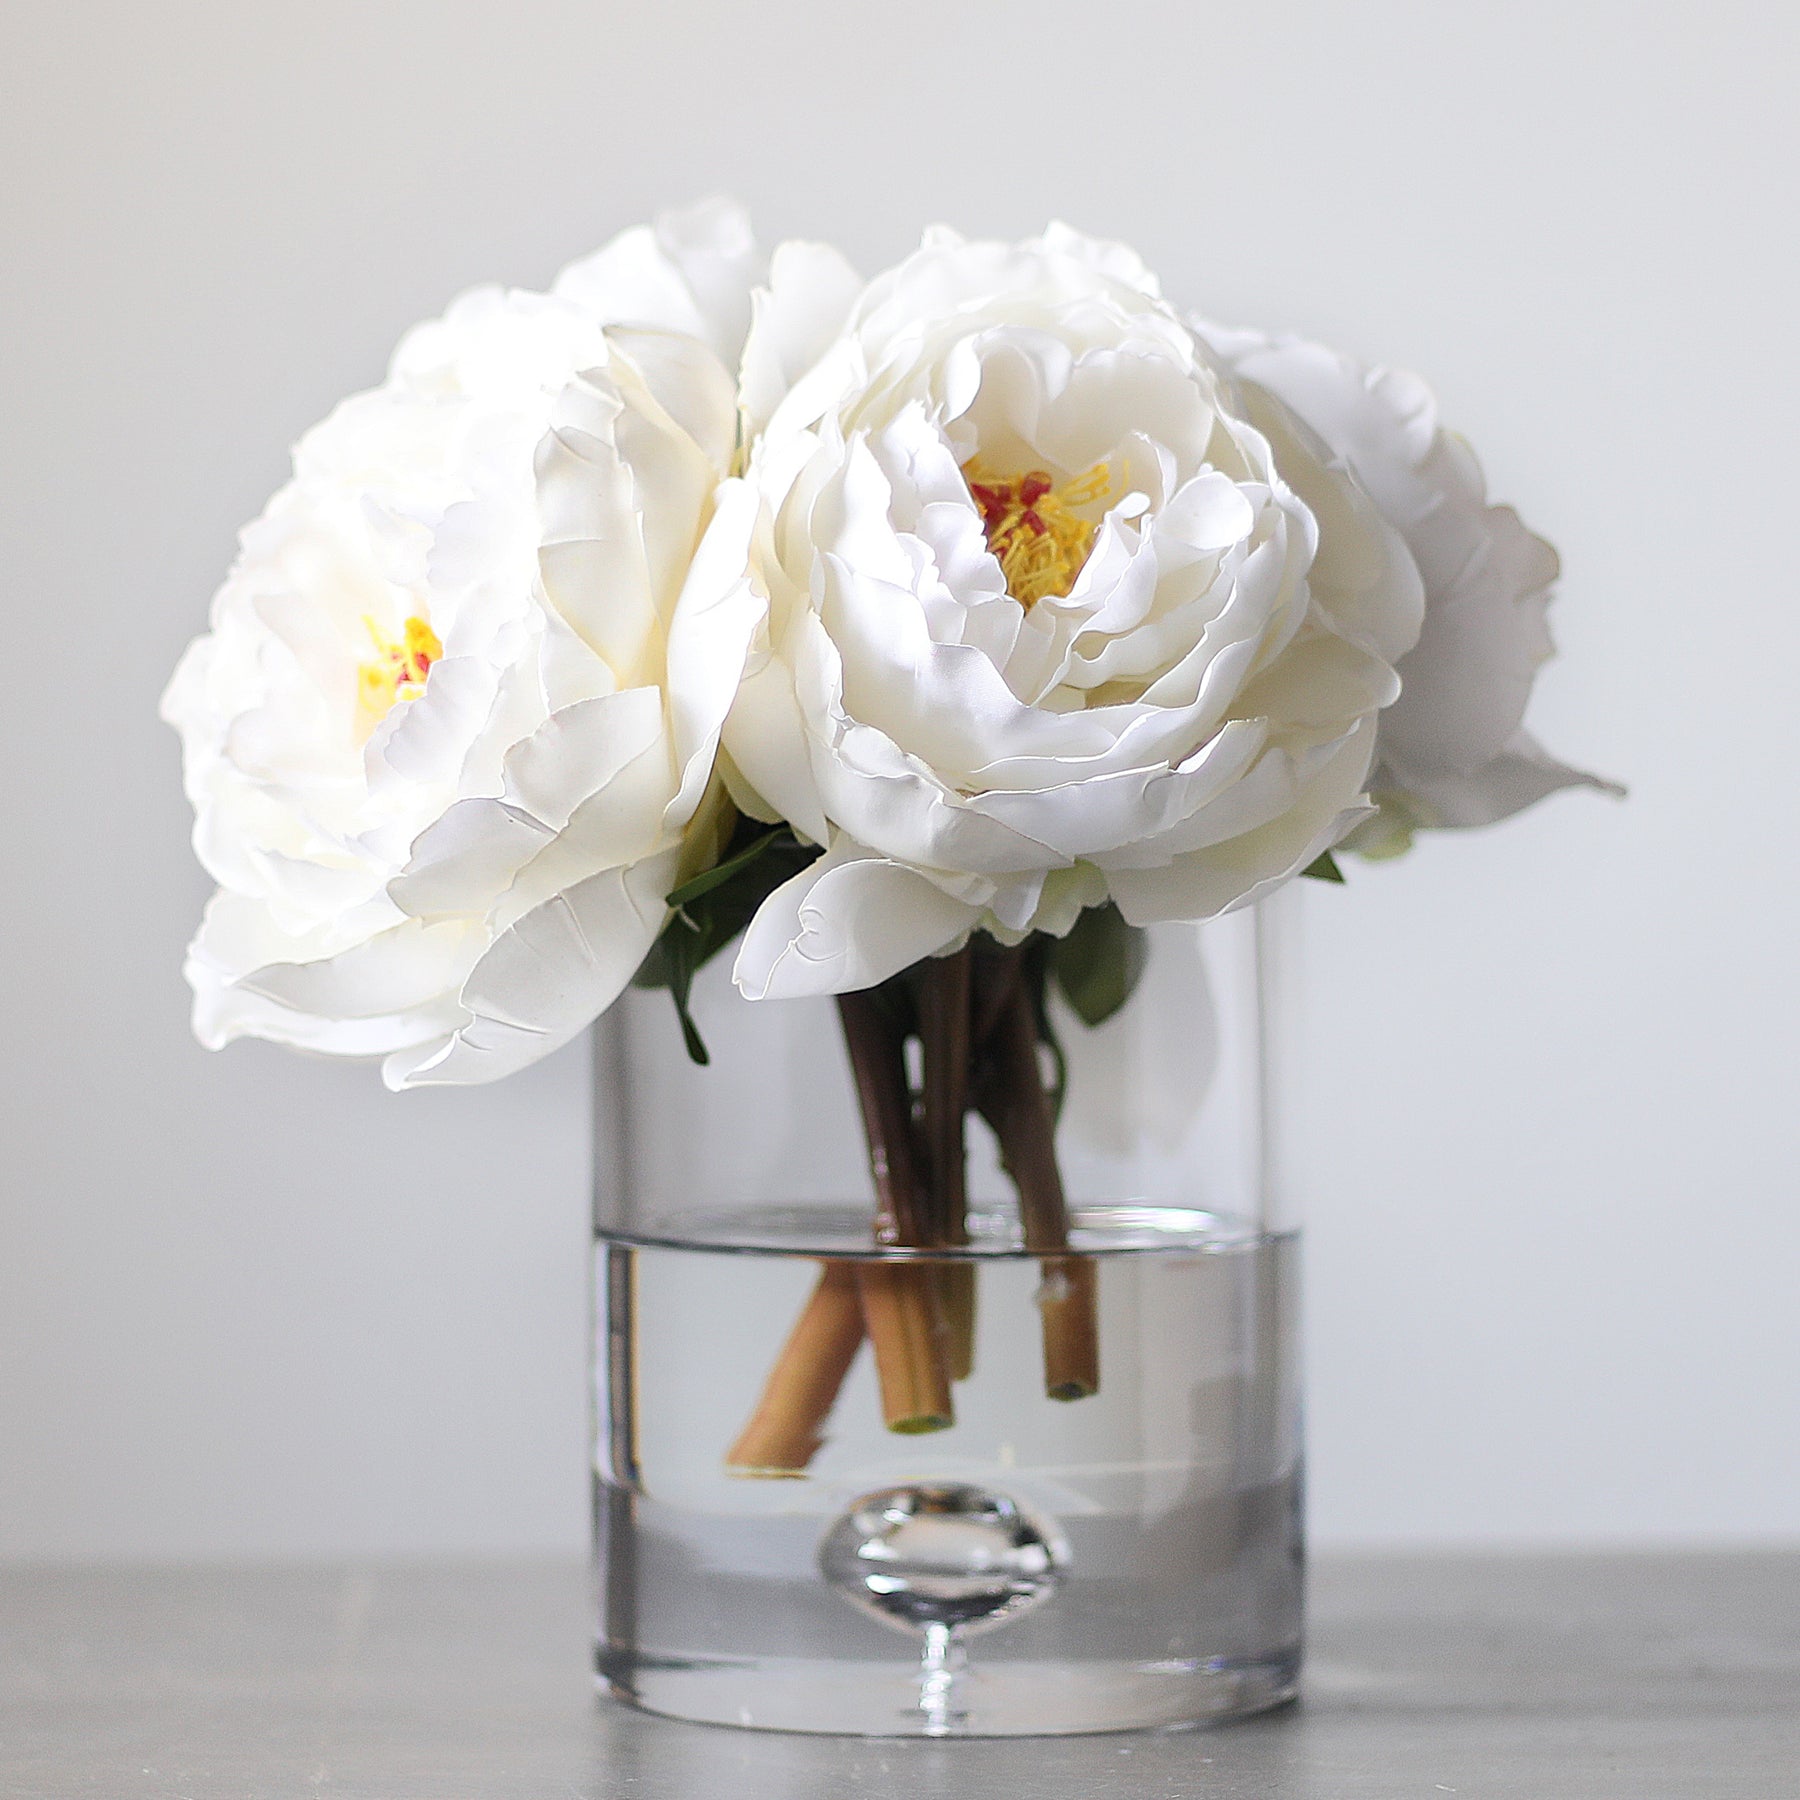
[251,1304]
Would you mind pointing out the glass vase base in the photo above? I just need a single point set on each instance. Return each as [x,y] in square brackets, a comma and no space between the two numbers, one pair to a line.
[998,1699]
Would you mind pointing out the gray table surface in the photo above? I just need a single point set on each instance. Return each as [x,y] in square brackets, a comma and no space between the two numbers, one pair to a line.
[1625,1677]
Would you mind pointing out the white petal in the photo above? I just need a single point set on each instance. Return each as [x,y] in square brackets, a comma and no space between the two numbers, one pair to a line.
[714,625]
[422,741]
[577,751]
[687,382]
[1117,261]
[408,965]
[1520,776]
[691,271]
[224,1012]
[1225,876]
[467,859]
[592,560]
[1363,575]
[546,979]
[1467,685]
[620,823]
[765,735]
[793,320]
[848,921]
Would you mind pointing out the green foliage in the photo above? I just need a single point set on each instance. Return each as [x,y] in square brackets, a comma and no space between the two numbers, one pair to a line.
[1324,867]
[1098,964]
[711,909]
[738,857]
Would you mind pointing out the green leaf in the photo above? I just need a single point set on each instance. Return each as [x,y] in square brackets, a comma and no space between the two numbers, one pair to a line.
[690,1032]
[708,912]
[1324,867]
[1098,964]
[671,964]
[731,867]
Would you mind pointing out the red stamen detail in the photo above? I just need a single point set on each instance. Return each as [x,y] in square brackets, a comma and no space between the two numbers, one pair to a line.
[992,501]
[1033,487]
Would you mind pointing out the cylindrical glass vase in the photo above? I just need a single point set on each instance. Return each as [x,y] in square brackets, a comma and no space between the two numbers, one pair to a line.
[1130,1557]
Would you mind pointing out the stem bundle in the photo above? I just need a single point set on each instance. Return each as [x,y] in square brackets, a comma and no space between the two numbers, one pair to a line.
[978,1019]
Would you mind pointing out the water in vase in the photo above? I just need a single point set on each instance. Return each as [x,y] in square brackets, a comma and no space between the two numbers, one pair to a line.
[1128,1558]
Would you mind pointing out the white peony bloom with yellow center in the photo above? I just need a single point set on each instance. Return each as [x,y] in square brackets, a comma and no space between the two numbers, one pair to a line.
[450,739]
[1049,618]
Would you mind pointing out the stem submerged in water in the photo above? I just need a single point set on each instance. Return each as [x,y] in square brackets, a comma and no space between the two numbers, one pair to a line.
[903,1310]
[905,1322]
[785,1431]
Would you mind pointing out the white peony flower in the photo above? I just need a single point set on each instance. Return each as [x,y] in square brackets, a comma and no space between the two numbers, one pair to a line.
[454,724]
[1452,750]
[1048,618]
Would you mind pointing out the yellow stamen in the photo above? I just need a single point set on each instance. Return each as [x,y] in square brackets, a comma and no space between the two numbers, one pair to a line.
[398,669]
[1035,528]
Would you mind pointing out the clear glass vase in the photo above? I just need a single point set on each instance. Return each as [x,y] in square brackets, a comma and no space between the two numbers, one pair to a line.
[1130,1557]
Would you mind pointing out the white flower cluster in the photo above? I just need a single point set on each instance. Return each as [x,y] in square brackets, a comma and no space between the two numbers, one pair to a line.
[1003,587]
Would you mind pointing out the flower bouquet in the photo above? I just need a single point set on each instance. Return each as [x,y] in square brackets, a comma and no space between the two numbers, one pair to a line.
[920,644]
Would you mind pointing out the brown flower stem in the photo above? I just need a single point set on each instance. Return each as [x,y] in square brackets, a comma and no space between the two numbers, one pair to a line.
[944,1037]
[902,1307]
[1069,1302]
[1014,1102]
[999,975]
[905,1323]
[788,1425]
[877,1048]
[946,1026]
[956,1300]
